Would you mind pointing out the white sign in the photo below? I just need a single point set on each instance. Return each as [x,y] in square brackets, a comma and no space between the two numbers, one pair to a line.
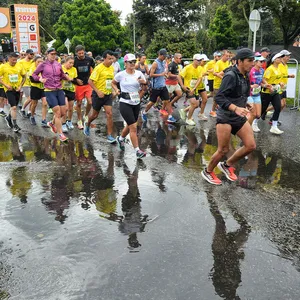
[34,47]
[291,86]
[22,27]
[254,23]
[23,37]
[68,44]
[24,47]
[32,27]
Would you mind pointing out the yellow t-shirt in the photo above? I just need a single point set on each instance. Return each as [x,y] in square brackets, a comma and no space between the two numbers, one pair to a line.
[273,76]
[190,74]
[27,66]
[219,67]
[12,75]
[38,85]
[285,72]
[210,65]
[102,77]
[1,85]
[202,71]
[68,85]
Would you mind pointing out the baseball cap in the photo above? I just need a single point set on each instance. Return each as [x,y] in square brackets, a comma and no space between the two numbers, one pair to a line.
[197,57]
[13,54]
[204,57]
[244,53]
[278,55]
[259,58]
[265,49]
[29,51]
[129,57]
[163,52]
[285,52]
[50,50]
[217,53]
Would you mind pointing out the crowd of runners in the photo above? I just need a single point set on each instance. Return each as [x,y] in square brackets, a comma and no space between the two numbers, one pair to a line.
[244,88]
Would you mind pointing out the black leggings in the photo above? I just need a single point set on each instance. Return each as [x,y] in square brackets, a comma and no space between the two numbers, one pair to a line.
[266,99]
[130,113]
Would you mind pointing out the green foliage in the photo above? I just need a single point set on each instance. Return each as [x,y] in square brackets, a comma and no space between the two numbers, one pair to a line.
[222,30]
[91,23]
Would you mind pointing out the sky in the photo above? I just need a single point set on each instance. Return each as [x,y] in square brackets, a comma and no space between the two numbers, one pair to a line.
[124,5]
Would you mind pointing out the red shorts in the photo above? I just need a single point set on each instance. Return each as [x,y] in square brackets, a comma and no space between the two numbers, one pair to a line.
[83,91]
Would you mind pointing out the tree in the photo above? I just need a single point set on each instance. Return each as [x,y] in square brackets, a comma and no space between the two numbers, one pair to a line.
[287,14]
[221,29]
[91,23]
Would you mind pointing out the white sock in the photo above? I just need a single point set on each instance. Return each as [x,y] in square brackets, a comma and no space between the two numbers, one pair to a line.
[136,149]
[144,112]
[274,123]
[1,109]
[170,116]
[121,138]
[255,121]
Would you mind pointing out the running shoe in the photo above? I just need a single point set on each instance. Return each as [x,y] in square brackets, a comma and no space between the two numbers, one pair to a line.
[278,123]
[269,114]
[276,130]
[50,111]
[111,139]
[8,121]
[70,125]
[202,117]
[62,138]
[182,114]
[32,121]
[144,116]
[44,124]
[79,125]
[163,112]
[86,130]
[16,128]
[171,119]
[228,171]
[86,118]
[121,143]
[190,122]
[3,114]
[52,127]
[64,128]
[22,113]
[213,114]
[157,107]
[211,177]
[28,115]
[255,128]
[140,154]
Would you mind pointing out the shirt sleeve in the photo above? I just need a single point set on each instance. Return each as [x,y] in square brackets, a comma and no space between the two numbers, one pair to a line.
[228,85]
[183,72]
[38,70]
[94,75]
[92,63]
[118,77]
[141,76]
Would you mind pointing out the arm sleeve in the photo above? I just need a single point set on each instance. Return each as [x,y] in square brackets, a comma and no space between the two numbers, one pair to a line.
[118,77]
[38,70]
[227,87]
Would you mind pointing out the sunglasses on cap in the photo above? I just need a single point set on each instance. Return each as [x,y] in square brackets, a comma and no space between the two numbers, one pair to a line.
[131,61]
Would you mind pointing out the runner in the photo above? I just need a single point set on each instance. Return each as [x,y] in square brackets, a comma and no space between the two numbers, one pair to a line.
[36,93]
[191,75]
[231,118]
[100,81]
[172,79]
[130,81]
[84,65]
[256,82]
[3,97]
[12,77]
[26,63]
[219,68]
[265,53]
[69,90]
[210,70]
[159,89]
[143,67]
[201,90]
[269,94]
[50,73]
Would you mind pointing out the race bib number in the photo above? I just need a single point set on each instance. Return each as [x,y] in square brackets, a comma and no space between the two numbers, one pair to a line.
[108,84]
[13,78]
[193,83]
[135,97]
[276,88]
[256,91]
[68,84]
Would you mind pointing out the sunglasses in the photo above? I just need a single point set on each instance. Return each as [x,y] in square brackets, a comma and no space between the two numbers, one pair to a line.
[132,61]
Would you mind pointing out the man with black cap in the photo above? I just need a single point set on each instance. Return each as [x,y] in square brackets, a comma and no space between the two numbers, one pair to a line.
[265,53]
[231,118]
[158,74]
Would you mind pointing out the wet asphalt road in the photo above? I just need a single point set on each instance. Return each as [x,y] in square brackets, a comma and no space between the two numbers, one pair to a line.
[84,220]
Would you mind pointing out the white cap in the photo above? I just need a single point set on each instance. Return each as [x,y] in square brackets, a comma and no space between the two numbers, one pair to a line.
[197,57]
[277,56]
[259,58]
[204,57]
[285,52]
[129,57]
